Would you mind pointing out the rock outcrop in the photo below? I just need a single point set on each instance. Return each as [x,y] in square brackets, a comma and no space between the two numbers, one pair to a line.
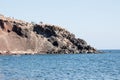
[20,37]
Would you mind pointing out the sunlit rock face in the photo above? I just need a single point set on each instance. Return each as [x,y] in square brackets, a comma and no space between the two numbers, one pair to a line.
[20,37]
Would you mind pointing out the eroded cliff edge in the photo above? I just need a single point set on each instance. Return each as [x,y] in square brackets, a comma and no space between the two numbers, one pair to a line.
[20,37]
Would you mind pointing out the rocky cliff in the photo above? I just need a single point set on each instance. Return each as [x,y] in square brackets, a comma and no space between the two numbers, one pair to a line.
[20,37]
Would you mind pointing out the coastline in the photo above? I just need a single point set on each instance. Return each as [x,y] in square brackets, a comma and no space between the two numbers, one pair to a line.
[20,37]
[35,53]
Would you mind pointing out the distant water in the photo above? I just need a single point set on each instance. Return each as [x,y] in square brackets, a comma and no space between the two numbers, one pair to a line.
[61,67]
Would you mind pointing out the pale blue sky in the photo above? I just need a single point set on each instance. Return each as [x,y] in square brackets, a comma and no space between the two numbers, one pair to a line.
[96,21]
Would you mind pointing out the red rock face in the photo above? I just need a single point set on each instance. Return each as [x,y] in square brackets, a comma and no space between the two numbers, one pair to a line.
[19,37]
[15,38]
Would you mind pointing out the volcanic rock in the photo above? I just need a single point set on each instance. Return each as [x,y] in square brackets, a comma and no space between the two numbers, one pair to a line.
[20,37]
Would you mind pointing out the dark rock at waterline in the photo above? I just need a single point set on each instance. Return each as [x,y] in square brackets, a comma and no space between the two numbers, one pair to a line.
[20,37]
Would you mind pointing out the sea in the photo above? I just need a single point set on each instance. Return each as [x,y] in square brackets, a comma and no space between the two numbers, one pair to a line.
[103,66]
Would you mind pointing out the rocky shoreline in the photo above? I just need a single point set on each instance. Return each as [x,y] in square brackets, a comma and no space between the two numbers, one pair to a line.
[20,37]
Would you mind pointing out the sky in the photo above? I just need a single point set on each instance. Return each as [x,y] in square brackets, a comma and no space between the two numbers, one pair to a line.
[95,21]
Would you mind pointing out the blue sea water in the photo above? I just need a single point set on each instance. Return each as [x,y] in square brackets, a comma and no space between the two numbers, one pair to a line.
[104,66]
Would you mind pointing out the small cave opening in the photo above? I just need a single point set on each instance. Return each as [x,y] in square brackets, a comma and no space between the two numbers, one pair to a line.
[55,43]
